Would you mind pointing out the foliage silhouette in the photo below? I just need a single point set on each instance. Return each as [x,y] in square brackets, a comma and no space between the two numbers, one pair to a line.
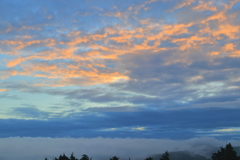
[63,157]
[149,158]
[165,156]
[85,157]
[114,158]
[72,157]
[227,153]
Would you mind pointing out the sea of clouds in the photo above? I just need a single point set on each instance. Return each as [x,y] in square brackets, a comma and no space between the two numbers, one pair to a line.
[26,148]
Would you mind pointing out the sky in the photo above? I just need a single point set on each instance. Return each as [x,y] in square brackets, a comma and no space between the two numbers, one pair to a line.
[138,69]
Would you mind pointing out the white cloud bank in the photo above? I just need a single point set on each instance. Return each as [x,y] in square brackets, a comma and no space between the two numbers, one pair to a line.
[100,148]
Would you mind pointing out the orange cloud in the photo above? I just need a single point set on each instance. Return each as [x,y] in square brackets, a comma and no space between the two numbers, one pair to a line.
[176,29]
[192,42]
[114,14]
[49,17]
[229,30]
[235,53]
[17,61]
[87,72]
[77,41]
[228,47]
[100,79]
[121,39]
[150,1]
[46,55]
[118,14]
[231,4]
[11,28]
[195,78]
[145,21]
[24,44]
[214,53]
[8,73]
[166,31]
[19,44]
[86,77]
[24,37]
[203,6]
[98,37]
[30,28]
[43,67]
[110,30]
[3,90]
[73,33]
[220,16]
[184,3]
[111,56]
[89,59]
[136,9]
[6,30]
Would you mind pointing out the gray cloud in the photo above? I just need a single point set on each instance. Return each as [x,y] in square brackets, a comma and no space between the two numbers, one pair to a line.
[112,109]
[6,95]
[121,122]
[100,148]
[30,111]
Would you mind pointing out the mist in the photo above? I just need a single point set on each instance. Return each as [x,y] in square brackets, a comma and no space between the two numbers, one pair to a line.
[100,148]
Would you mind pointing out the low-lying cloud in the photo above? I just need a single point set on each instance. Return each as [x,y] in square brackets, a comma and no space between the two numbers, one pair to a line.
[101,148]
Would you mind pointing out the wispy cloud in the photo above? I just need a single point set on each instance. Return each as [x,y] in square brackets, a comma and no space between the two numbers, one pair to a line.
[139,128]
[227,130]
[3,90]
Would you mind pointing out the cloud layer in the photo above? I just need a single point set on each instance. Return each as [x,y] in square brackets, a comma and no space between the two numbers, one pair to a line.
[101,148]
[139,69]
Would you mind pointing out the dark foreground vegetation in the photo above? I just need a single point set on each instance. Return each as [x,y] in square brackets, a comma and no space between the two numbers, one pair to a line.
[224,153]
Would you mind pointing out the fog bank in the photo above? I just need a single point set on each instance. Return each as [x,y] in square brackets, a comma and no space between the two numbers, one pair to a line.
[100,148]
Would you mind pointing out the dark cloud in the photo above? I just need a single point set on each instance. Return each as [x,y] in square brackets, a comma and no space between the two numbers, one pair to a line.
[217,64]
[112,109]
[175,124]
[30,111]
[6,95]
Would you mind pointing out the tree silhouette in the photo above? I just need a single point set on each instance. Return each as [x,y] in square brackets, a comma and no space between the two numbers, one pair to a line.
[227,153]
[149,158]
[72,157]
[114,158]
[85,157]
[63,157]
[165,156]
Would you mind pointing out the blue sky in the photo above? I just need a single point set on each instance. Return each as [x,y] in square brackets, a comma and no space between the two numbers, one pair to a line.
[152,69]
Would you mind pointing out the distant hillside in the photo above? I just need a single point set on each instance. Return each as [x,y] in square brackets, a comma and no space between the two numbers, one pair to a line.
[237,149]
[181,155]
[203,153]
[209,150]
[185,155]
